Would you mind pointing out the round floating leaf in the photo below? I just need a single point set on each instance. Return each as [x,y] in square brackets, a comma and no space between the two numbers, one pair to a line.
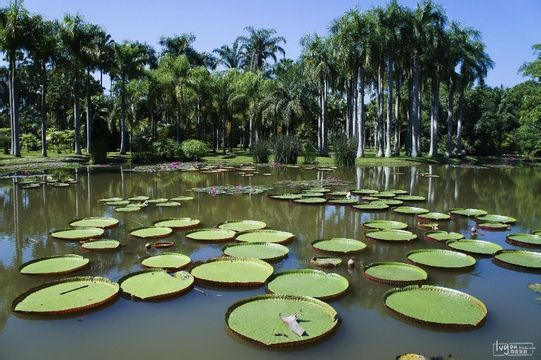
[364,191]
[436,305]
[384,194]
[30,186]
[66,296]
[118,202]
[339,245]
[325,261]
[152,232]
[167,261]
[372,198]
[77,233]
[98,222]
[169,204]
[105,244]
[272,236]
[110,199]
[439,235]
[394,272]
[211,234]
[492,218]
[391,235]
[264,319]
[233,271]
[446,259]
[60,185]
[385,225]
[155,284]
[157,201]
[410,210]
[343,201]
[54,265]
[434,216]
[139,198]
[311,194]
[286,196]
[308,282]
[262,251]
[182,198]
[391,202]
[311,201]
[243,225]
[338,193]
[178,223]
[128,209]
[524,239]
[399,192]
[520,258]
[478,247]
[468,212]
[410,198]
[493,226]
[317,190]
[163,244]
[536,287]
[373,206]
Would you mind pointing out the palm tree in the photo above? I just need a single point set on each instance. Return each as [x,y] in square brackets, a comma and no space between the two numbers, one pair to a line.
[260,45]
[533,68]
[182,45]
[232,57]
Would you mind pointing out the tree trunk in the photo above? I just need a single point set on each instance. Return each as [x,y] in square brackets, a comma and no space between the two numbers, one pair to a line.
[349,105]
[324,150]
[77,115]
[416,106]
[178,124]
[14,107]
[224,132]
[43,110]
[459,122]
[397,116]
[360,114]
[379,129]
[88,114]
[123,132]
[154,125]
[434,116]
[388,152]
[450,115]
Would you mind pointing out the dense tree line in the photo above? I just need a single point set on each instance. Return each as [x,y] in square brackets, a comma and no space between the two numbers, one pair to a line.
[391,78]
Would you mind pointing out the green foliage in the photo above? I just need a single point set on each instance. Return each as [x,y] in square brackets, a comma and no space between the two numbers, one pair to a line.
[286,149]
[30,142]
[100,140]
[61,140]
[194,150]
[167,149]
[261,152]
[5,138]
[345,150]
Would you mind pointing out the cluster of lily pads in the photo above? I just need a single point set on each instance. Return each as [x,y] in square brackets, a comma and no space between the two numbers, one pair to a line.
[36,182]
[136,203]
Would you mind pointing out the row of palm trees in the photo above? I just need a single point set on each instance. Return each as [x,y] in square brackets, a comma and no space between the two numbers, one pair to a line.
[245,92]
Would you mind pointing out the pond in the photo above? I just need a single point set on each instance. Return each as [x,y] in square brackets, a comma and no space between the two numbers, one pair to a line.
[192,325]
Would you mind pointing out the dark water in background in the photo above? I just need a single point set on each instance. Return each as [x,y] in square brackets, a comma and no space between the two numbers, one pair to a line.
[193,325]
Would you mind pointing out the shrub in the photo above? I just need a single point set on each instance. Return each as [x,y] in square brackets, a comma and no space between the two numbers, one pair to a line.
[30,141]
[5,139]
[194,150]
[310,153]
[261,152]
[167,149]
[286,149]
[345,150]
[61,140]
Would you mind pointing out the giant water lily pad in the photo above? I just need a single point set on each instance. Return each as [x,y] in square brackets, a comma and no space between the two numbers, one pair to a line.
[325,261]
[54,265]
[410,210]
[273,236]
[439,235]
[157,201]
[385,225]
[445,259]
[311,201]
[139,198]
[339,245]
[391,202]
[211,234]
[478,247]
[364,191]
[169,204]
[243,225]
[308,282]
[117,202]
[128,209]
[77,233]
[434,216]
[468,212]
[311,194]
[391,235]
[384,194]
[182,198]
[167,261]
[492,218]
[111,199]
[233,271]
[436,305]
[178,223]
[264,319]
[155,284]
[524,239]
[101,244]
[152,232]
[410,198]
[343,201]
[98,222]
[286,196]
[263,251]
[66,296]
[394,273]
[520,258]
[493,226]
[535,287]
[372,206]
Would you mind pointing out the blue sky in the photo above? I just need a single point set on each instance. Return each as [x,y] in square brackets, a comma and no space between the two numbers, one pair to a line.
[509,28]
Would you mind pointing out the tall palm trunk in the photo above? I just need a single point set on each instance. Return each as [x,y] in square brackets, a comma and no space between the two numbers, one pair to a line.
[224,122]
[397,115]
[77,114]
[123,132]
[379,130]
[349,105]
[434,116]
[14,105]
[177,136]
[388,152]
[459,122]
[154,125]
[43,109]
[360,114]
[88,114]
[450,115]
[324,150]
[416,106]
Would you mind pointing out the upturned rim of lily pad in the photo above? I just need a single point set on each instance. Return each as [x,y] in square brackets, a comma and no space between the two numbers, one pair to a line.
[82,263]
[139,198]
[117,202]
[176,223]
[476,247]
[448,235]
[381,224]
[524,239]
[410,210]
[498,258]
[391,236]
[115,198]
[342,201]
[169,204]
[123,209]
[494,218]
[266,272]
[105,222]
[227,235]
[423,275]
[92,233]
[384,194]
[287,196]
[411,198]
[157,200]
[325,261]
[111,244]
[360,245]
[364,191]
[156,232]
[180,290]
[182,198]
[184,261]
[337,278]
[468,212]
[493,226]
[283,250]
[372,206]
[434,216]
[448,253]
[311,201]
[282,237]
[242,225]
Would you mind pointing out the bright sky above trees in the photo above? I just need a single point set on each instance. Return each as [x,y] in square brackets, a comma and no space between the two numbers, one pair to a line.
[509,28]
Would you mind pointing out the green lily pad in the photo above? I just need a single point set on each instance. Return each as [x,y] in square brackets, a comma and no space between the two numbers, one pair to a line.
[338,193]
[440,235]
[536,287]
[410,198]
[152,232]
[385,225]
[339,245]
[390,202]
[436,305]
[372,206]
[127,209]
[312,194]
[391,235]
[325,261]
[77,233]
[167,261]
[54,265]
[446,259]
[157,201]
[30,186]
[169,204]
[263,251]
[211,234]
[273,236]
[139,198]
[311,201]
[182,198]
[468,212]
[317,190]
[520,258]
[434,216]
[493,226]
[410,210]
[384,194]
[259,319]
[478,247]
[308,282]
[66,296]
[492,218]
[98,222]
[399,192]
[243,225]
[178,223]
[372,198]
[116,198]
[233,271]
[343,201]
[155,284]
[524,239]
[364,191]
[60,185]
[118,202]
[394,273]
[286,196]
[101,244]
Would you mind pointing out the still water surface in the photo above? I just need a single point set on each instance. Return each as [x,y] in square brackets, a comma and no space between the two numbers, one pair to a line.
[193,325]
